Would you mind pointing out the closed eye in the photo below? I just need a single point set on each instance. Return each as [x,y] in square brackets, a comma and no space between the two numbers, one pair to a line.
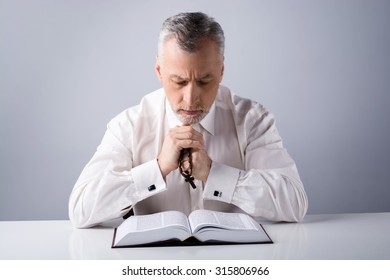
[202,83]
[181,83]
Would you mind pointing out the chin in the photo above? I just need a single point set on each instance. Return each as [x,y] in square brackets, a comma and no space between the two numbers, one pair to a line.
[187,119]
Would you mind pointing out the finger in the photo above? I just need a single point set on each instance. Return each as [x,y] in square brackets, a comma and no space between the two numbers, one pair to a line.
[187,133]
[189,143]
[185,129]
[201,164]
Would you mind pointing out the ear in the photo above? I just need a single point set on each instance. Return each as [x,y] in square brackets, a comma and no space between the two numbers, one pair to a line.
[222,71]
[157,68]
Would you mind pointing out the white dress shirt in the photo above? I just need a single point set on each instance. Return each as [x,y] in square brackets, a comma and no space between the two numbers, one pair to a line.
[251,171]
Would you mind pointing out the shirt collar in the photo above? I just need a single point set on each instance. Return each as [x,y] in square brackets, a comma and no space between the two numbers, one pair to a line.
[208,122]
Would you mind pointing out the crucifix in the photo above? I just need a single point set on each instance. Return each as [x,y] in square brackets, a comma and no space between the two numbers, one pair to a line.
[185,166]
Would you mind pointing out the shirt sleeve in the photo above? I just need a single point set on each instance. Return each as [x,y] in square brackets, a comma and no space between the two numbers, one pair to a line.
[269,187]
[109,177]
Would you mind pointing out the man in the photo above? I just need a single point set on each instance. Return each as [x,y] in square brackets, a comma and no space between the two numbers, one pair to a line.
[190,145]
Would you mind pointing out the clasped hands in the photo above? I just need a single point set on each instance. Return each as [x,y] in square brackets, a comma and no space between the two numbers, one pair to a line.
[182,137]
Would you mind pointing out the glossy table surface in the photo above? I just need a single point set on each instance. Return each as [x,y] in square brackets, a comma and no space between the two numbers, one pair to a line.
[331,236]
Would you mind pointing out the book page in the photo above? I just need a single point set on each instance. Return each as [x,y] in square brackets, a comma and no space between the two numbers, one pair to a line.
[234,221]
[148,222]
[230,220]
[175,218]
[159,220]
[144,227]
[201,217]
[213,226]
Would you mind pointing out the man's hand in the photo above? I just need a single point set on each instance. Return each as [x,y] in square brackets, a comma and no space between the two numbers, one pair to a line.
[201,164]
[178,138]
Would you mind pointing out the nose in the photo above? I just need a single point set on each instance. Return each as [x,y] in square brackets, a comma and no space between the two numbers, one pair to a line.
[191,94]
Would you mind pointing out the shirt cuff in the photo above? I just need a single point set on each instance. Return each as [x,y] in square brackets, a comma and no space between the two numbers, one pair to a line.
[148,180]
[221,182]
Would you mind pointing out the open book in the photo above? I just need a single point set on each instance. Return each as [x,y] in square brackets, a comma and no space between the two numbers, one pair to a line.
[201,227]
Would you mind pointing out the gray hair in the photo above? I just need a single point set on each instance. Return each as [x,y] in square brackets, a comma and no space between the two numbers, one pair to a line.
[189,29]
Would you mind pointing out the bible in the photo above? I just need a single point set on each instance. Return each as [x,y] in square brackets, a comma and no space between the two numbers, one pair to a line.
[201,227]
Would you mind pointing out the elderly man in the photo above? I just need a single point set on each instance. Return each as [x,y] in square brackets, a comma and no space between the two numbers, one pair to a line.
[191,145]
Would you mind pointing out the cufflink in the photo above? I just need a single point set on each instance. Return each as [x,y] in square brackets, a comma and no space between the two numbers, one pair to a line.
[217,193]
[151,188]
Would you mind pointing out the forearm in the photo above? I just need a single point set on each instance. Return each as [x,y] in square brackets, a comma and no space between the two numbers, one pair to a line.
[101,198]
[103,194]
[271,195]
[267,194]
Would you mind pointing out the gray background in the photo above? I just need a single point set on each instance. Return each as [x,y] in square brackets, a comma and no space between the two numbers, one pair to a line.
[68,67]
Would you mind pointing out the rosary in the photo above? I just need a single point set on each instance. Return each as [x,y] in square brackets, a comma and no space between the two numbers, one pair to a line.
[185,165]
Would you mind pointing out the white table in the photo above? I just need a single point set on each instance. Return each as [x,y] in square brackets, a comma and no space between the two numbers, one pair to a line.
[333,236]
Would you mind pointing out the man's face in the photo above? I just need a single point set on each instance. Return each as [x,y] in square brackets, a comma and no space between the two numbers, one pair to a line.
[190,80]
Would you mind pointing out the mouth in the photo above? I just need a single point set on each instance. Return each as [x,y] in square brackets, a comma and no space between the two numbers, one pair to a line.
[190,115]
[190,112]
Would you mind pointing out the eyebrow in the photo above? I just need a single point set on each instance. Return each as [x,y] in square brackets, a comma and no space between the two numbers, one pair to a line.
[180,78]
[177,77]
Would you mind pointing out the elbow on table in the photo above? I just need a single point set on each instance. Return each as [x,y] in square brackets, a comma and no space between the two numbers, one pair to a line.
[294,202]
[291,207]
[300,213]
[79,217]
[299,208]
